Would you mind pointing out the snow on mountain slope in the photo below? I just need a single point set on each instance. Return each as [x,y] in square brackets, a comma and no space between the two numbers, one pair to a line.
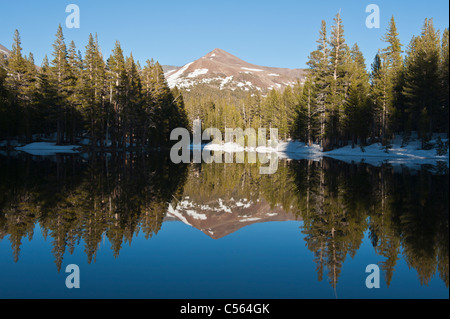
[4,50]
[223,70]
[219,217]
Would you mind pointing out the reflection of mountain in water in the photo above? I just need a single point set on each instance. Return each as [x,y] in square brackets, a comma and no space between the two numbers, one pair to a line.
[218,217]
[81,201]
[219,199]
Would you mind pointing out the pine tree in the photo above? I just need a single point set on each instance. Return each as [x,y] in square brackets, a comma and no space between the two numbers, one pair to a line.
[393,52]
[32,110]
[21,84]
[253,107]
[93,91]
[117,84]
[287,113]
[5,110]
[356,110]
[159,101]
[320,74]
[180,110]
[63,80]
[391,77]
[75,68]
[271,110]
[307,125]
[378,96]
[134,100]
[444,84]
[381,92]
[422,89]
[47,98]
[339,80]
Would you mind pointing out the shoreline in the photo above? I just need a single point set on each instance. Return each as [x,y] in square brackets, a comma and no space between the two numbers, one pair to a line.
[293,150]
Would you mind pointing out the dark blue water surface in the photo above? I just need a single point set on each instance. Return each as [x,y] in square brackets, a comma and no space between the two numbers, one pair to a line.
[139,226]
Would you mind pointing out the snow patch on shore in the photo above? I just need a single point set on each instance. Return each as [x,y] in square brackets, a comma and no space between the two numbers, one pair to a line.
[374,154]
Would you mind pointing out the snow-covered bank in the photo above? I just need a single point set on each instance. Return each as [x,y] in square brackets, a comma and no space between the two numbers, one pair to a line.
[375,154]
[411,153]
[226,147]
[46,148]
[292,147]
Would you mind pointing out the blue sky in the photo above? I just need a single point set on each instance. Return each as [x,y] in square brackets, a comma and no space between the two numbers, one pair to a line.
[278,33]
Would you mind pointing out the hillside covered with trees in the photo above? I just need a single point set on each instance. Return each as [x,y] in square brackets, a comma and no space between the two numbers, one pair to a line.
[344,100]
[115,102]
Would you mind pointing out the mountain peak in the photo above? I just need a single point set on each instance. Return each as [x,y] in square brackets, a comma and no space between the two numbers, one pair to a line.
[221,69]
[222,54]
[218,50]
[4,50]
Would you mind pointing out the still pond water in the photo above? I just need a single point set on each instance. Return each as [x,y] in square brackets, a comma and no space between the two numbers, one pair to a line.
[139,226]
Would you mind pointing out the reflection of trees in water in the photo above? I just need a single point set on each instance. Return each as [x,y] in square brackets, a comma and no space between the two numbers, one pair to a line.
[333,223]
[76,200]
[406,212]
[238,181]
